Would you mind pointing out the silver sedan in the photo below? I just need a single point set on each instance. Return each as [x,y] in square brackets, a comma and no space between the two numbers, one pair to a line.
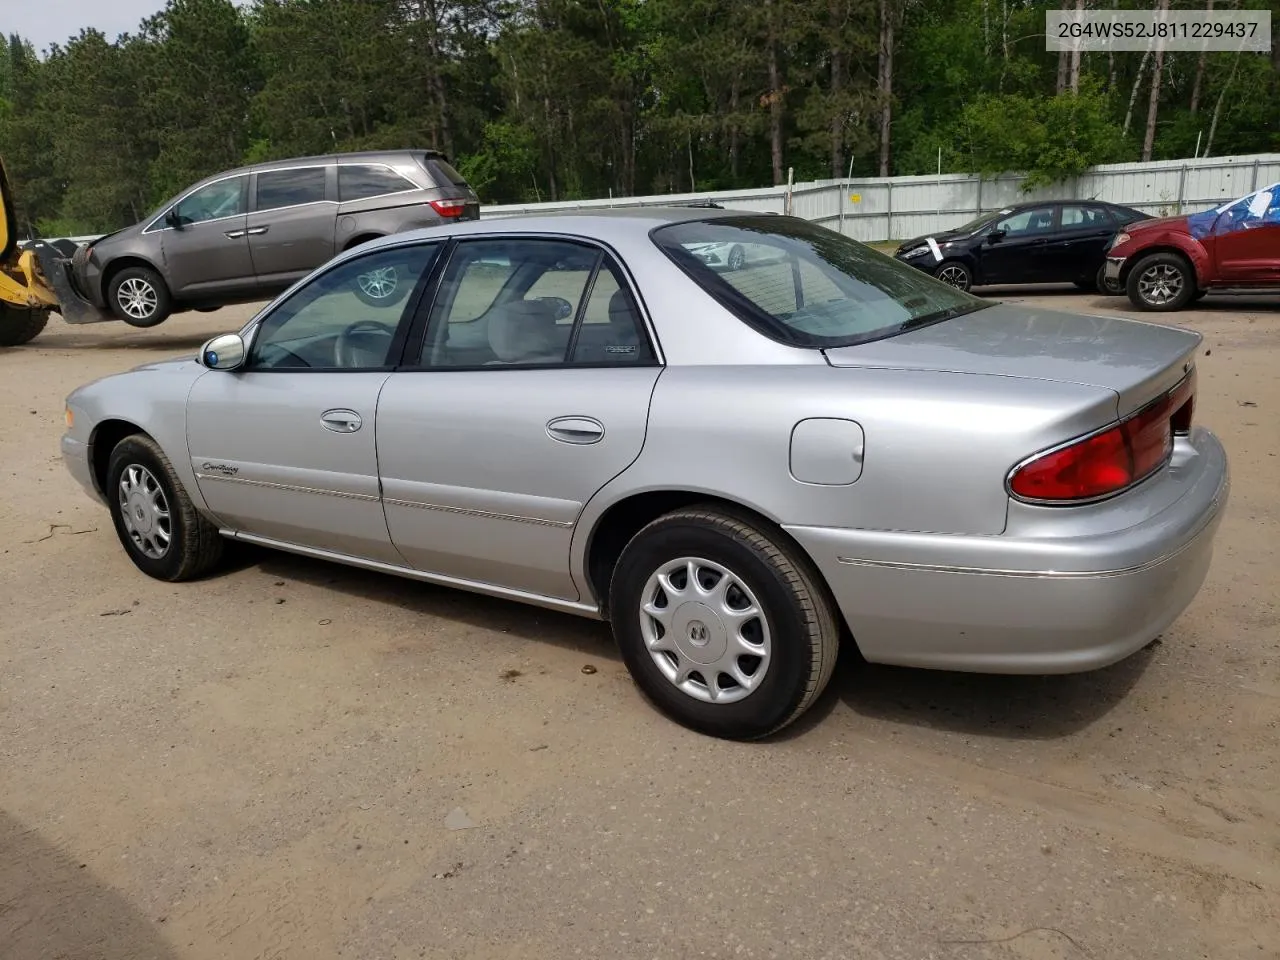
[740,470]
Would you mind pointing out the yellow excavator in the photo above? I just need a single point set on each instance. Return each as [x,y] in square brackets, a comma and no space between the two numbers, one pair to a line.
[34,280]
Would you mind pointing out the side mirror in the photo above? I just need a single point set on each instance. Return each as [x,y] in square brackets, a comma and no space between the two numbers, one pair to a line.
[223,353]
[172,218]
[995,236]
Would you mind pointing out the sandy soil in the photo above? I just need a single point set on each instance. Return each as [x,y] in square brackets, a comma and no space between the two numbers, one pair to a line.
[271,763]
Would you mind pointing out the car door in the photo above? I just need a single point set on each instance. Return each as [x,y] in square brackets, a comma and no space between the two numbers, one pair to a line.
[283,448]
[1076,251]
[1015,249]
[1246,239]
[290,225]
[531,391]
[203,240]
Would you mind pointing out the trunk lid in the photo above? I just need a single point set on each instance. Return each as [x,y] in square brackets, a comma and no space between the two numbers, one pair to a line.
[1137,361]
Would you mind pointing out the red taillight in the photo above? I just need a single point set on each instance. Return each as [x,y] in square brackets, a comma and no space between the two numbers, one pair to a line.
[449,208]
[1108,462]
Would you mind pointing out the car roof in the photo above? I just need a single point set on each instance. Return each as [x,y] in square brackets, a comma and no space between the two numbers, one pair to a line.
[369,155]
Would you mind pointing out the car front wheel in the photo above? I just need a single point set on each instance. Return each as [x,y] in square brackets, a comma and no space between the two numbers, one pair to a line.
[724,625]
[139,297]
[1161,281]
[158,525]
[954,273]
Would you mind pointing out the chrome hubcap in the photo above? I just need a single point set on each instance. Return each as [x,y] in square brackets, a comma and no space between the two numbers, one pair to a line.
[1160,284]
[380,283]
[145,511]
[137,298]
[705,630]
[953,275]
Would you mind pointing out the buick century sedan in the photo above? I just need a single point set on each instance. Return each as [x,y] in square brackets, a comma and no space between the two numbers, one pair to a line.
[740,467]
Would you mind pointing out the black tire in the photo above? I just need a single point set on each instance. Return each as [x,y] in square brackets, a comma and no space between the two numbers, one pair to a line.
[149,309]
[367,285]
[1088,286]
[804,633]
[19,326]
[1172,269]
[737,258]
[954,273]
[1112,288]
[194,547]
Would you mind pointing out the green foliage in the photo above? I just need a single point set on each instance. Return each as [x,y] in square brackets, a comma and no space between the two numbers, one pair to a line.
[554,99]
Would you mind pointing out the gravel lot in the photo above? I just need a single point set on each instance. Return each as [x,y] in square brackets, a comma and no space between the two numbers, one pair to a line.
[271,763]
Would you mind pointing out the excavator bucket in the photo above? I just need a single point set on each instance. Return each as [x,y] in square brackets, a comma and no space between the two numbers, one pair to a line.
[34,280]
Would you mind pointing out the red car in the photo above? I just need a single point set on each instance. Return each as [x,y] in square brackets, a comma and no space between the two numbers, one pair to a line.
[1167,263]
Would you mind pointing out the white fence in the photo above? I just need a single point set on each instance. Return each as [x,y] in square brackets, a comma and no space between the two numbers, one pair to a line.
[894,208]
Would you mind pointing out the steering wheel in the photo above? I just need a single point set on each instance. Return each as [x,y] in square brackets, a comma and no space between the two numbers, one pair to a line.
[353,347]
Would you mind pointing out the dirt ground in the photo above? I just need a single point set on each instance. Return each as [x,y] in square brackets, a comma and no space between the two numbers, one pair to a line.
[295,760]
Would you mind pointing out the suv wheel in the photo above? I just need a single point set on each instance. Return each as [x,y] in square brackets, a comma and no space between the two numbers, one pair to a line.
[139,297]
[1161,281]
[724,626]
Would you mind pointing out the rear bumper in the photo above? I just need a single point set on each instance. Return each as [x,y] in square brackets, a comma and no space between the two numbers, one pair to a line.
[1029,604]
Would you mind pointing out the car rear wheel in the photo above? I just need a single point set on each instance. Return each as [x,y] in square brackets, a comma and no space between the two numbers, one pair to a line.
[19,326]
[381,287]
[158,525]
[1161,281]
[1111,287]
[139,297]
[954,273]
[724,625]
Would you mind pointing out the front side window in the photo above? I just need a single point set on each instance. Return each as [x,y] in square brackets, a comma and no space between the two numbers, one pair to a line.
[532,302]
[1027,222]
[290,188]
[223,198]
[804,284]
[359,181]
[346,318]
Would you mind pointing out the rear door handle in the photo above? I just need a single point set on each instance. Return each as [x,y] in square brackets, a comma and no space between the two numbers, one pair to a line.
[256,231]
[576,430]
[235,234]
[341,421]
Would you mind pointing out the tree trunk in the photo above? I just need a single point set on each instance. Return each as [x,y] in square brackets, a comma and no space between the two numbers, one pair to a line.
[1153,103]
[735,133]
[1217,107]
[837,117]
[1198,83]
[775,95]
[886,85]
[1075,57]
[1133,94]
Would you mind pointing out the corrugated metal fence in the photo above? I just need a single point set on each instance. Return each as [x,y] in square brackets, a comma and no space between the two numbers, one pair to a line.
[894,208]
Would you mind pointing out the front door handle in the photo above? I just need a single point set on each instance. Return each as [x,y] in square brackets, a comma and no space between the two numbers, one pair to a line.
[576,430]
[341,421]
[234,234]
[256,231]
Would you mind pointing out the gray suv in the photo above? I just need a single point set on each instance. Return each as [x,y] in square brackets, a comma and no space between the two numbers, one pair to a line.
[248,234]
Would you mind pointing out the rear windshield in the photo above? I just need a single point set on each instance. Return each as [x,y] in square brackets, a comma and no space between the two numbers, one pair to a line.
[442,172]
[804,284]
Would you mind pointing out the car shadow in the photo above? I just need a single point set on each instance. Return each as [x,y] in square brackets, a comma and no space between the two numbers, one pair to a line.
[578,634]
[1026,707]
[51,905]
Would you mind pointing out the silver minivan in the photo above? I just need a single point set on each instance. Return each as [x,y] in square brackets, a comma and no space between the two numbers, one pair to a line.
[250,233]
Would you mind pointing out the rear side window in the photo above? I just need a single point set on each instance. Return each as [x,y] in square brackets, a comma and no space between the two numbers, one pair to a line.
[1078,217]
[361,181]
[442,172]
[289,188]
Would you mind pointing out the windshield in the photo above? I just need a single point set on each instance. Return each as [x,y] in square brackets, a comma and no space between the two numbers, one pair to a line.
[803,284]
[973,226]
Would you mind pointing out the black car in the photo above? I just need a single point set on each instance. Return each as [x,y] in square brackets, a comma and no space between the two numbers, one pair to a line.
[1057,242]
